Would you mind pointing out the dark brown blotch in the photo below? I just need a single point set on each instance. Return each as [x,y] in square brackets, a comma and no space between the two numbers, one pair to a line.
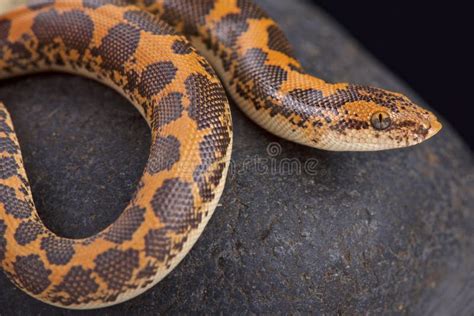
[78,283]
[31,274]
[208,101]
[267,79]
[157,244]
[277,41]
[118,46]
[5,26]
[74,27]
[4,128]
[8,167]
[156,77]
[169,109]
[116,267]
[230,28]
[59,251]
[7,145]
[126,225]
[173,204]
[164,153]
[14,206]
[28,232]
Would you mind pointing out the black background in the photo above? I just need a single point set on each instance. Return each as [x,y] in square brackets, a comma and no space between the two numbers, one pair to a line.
[427,44]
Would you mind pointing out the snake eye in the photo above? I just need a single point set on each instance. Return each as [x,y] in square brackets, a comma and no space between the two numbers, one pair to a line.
[381,120]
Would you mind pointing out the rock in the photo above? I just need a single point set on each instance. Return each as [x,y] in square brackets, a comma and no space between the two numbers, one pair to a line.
[350,233]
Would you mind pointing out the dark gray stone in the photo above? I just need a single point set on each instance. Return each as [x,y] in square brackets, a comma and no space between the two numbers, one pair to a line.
[356,233]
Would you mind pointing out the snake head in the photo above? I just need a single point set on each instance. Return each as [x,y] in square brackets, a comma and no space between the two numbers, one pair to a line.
[370,119]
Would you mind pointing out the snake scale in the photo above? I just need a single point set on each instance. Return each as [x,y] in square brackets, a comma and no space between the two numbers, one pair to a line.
[156,53]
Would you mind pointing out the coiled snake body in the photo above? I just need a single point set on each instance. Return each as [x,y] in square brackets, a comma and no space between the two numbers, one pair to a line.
[136,47]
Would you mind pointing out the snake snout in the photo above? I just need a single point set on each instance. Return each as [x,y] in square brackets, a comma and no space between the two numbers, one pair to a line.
[434,127]
[431,125]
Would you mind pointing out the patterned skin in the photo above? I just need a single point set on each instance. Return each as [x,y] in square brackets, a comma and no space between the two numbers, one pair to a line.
[126,45]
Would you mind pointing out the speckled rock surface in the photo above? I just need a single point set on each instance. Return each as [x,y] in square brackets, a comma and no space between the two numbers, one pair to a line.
[345,233]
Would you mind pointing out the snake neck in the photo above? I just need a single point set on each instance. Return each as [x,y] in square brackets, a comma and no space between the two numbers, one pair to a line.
[257,65]
[261,73]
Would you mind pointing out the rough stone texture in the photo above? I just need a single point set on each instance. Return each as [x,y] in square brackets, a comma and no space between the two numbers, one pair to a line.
[360,233]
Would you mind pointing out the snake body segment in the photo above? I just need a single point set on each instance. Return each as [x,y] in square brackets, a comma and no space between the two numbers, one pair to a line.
[136,47]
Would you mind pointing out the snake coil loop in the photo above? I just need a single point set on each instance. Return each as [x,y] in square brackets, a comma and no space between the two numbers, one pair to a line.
[139,51]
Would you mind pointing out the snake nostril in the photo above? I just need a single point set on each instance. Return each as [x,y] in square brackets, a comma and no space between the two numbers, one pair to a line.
[426,125]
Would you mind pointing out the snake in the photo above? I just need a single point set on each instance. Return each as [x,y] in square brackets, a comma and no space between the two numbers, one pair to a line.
[173,60]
